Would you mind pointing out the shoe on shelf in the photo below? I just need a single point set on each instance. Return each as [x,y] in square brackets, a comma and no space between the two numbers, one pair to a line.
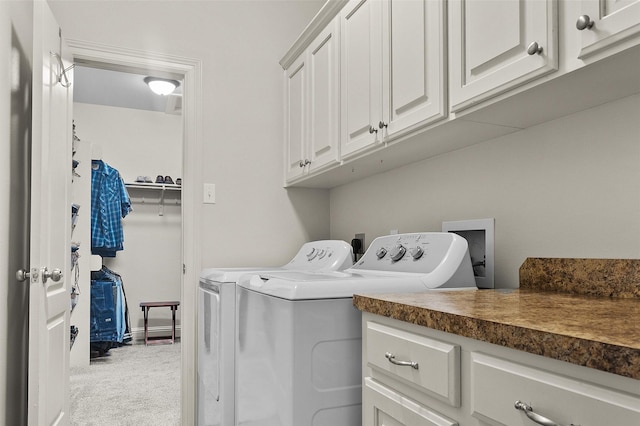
[179,181]
[147,179]
[140,179]
[168,180]
[160,179]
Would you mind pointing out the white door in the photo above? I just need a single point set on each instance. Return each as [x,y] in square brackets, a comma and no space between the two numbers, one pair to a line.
[360,75]
[413,64]
[606,23]
[296,121]
[49,299]
[324,97]
[495,46]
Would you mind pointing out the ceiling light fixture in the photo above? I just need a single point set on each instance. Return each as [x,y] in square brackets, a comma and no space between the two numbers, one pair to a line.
[161,86]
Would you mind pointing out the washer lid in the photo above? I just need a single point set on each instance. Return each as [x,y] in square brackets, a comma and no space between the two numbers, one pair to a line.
[293,285]
[231,275]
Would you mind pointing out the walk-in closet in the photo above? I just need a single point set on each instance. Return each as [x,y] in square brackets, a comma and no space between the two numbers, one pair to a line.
[122,125]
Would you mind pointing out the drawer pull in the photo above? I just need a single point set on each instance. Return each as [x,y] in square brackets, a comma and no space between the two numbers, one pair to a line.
[535,417]
[392,359]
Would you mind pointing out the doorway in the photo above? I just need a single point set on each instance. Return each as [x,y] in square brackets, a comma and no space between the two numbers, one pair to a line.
[189,72]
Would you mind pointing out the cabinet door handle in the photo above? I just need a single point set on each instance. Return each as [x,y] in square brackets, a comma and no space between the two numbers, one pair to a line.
[584,23]
[534,49]
[535,417]
[372,130]
[382,124]
[392,359]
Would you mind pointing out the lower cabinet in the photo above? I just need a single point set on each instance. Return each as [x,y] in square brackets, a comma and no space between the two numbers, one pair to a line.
[521,395]
[418,376]
[383,406]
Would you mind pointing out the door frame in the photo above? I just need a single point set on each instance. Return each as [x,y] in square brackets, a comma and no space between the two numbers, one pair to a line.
[190,70]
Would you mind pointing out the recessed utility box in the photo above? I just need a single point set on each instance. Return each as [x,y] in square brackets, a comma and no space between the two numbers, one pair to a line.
[479,233]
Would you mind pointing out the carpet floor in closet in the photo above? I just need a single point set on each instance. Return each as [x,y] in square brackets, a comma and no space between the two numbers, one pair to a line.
[132,385]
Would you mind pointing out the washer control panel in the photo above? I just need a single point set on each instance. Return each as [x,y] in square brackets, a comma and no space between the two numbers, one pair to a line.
[417,252]
[325,255]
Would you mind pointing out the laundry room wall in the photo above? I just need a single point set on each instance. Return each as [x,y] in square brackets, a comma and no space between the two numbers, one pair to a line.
[566,188]
[142,143]
[255,221]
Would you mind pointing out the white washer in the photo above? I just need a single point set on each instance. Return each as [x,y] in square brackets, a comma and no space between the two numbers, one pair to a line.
[216,325]
[298,353]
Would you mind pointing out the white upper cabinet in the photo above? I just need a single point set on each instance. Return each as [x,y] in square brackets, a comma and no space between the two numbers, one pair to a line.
[312,106]
[324,98]
[607,23]
[392,69]
[413,64]
[296,118]
[361,78]
[497,45]
[371,85]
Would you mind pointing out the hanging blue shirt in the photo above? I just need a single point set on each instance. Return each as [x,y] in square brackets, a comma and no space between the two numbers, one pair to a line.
[109,204]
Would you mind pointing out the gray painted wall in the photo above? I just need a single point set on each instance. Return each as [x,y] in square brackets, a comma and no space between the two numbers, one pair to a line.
[566,188]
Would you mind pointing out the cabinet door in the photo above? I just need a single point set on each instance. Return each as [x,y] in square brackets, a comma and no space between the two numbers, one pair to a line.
[383,406]
[295,117]
[324,96]
[497,384]
[613,21]
[413,63]
[490,42]
[360,75]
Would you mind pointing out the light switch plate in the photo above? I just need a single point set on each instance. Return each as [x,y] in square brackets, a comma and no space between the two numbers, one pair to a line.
[209,194]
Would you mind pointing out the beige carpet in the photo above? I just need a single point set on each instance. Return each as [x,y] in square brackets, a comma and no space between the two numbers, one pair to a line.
[133,385]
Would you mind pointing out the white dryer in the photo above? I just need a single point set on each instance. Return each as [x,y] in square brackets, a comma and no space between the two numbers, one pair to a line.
[298,353]
[217,330]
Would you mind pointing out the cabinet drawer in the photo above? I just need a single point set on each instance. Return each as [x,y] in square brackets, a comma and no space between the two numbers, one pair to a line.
[497,384]
[437,364]
[385,407]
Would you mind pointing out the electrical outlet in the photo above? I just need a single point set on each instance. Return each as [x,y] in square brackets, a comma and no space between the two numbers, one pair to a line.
[209,193]
[361,238]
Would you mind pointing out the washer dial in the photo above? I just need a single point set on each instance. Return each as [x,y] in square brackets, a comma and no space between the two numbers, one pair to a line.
[397,252]
[416,252]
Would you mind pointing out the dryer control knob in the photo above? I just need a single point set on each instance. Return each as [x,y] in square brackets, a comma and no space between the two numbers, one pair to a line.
[416,252]
[397,252]
[381,252]
[312,254]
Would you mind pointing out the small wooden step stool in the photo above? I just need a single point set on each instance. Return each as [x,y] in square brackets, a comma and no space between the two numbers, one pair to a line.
[145,308]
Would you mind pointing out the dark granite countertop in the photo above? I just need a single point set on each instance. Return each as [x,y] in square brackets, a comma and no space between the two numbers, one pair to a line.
[581,325]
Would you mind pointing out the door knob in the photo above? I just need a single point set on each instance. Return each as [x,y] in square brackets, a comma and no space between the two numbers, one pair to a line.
[584,23]
[55,275]
[22,275]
